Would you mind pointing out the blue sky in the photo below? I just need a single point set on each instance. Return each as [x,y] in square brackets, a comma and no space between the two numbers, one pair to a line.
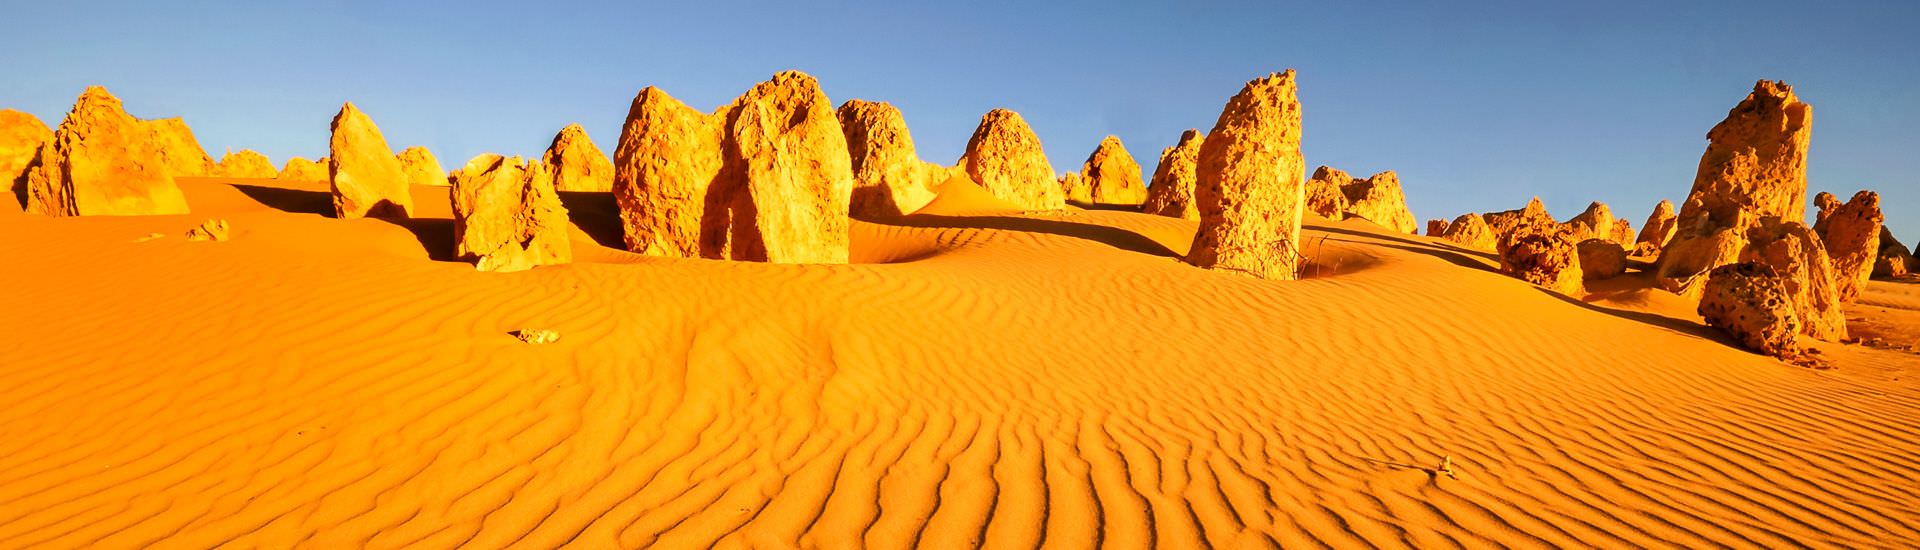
[1476,106]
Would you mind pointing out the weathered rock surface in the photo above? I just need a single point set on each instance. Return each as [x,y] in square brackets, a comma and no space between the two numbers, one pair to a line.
[246,164]
[1380,200]
[1797,254]
[421,168]
[766,178]
[1754,168]
[1601,259]
[507,216]
[365,175]
[578,165]
[1005,158]
[1171,193]
[1250,192]
[1472,231]
[1851,233]
[301,169]
[889,177]
[1658,230]
[101,161]
[1436,227]
[1894,259]
[215,230]
[1504,223]
[21,135]
[178,149]
[1544,254]
[1827,203]
[1596,222]
[1750,302]
[1324,192]
[1110,176]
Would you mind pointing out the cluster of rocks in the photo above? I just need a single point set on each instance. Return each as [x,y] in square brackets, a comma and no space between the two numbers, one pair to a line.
[299,169]
[246,164]
[1335,195]
[101,161]
[889,177]
[507,215]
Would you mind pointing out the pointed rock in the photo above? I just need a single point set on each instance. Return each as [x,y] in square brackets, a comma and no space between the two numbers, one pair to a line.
[1851,233]
[1472,231]
[577,164]
[1005,158]
[101,161]
[889,177]
[1506,222]
[21,135]
[246,164]
[1380,200]
[1436,227]
[1325,195]
[365,175]
[299,169]
[1171,193]
[507,216]
[1894,260]
[1251,194]
[1596,222]
[421,168]
[1755,167]
[1797,254]
[1110,176]
[178,149]
[668,157]
[1659,228]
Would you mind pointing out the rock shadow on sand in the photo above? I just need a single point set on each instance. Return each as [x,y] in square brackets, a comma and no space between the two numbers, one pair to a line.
[297,201]
[597,214]
[1111,236]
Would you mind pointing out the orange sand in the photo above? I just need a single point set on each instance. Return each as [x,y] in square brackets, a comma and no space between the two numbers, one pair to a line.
[980,376]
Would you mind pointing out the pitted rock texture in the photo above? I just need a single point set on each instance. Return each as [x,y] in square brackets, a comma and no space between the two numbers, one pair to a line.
[578,164]
[1005,158]
[507,216]
[1171,192]
[1250,193]
[101,161]
[1750,302]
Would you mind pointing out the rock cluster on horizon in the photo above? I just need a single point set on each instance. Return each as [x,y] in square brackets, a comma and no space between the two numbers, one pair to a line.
[1472,231]
[1598,222]
[364,174]
[1504,223]
[578,165]
[421,168]
[765,178]
[1250,191]
[507,215]
[1337,195]
[1545,254]
[1851,233]
[889,177]
[1754,167]
[21,135]
[1172,188]
[1894,259]
[246,163]
[1109,176]
[1005,158]
[101,161]
[302,170]
[1657,231]
[179,150]
[1750,302]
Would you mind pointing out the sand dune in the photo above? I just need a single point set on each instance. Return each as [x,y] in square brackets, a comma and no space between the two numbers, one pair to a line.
[978,376]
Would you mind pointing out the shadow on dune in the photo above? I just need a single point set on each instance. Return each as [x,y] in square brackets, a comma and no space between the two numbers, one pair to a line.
[597,215]
[297,201]
[1112,236]
[1454,255]
[1669,323]
[435,235]
[1106,206]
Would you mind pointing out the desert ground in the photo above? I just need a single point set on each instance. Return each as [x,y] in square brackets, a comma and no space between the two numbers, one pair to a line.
[976,374]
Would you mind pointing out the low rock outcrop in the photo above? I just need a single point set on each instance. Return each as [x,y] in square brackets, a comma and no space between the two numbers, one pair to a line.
[1601,259]
[1250,192]
[365,175]
[1894,259]
[1005,158]
[507,216]
[421,168]
[1171,192]
[1110,176]
[1504,223]
[1754,168]
[1750,302]
[101,161]
[1544,254]
[1851,233]
[889,177]
[1796,253]
[1324,195]
[1380,200]
[578,165]
[215,230]
[1436,227]
[1472,231]
[246,164]
[303,170]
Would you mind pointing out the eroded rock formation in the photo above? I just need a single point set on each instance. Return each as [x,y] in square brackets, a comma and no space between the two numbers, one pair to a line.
[1596,222]
[889,177]
[1601,259]
[1472,231]
[1436,227]
[668,157]
[1894,260]
[1324,194]
[1658,230]
[365,175]
[1110,176]
[1750,302]
[507,216]
[1250,192]
[1793,251]
[1504,223]
[301,169]
[178,149]
[246,163]
[1544,254]
[1851,233]
[1005,158]
[421,168]
[101,161]
[578,165]
[21,135]
[1171,192]
[1380,200]
[1754,168]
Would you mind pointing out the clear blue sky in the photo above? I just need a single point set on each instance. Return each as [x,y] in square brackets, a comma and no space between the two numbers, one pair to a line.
[1477,107]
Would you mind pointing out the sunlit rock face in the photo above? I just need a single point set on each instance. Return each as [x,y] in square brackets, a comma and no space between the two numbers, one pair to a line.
[1251,193]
